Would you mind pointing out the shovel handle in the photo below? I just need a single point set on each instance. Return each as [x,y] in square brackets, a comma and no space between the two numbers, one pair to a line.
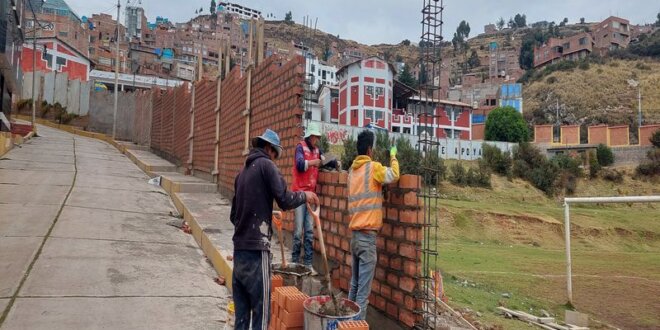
[277,220]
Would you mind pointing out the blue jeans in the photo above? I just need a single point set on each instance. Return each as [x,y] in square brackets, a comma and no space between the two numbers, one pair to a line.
[363,248]
[304,221]
[251,289]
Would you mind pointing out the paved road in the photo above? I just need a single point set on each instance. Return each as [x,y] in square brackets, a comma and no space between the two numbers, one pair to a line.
[84,244]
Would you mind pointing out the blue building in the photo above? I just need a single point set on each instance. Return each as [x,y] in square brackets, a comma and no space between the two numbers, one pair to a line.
[511,95]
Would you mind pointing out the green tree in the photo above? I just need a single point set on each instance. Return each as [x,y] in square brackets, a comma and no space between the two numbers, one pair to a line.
[406,42]
[213,7]
[506,124]
[605,155]
[655,139]
[288,18]
[657,23]
[563,22]
[406,77]
[500,23]
[326,52]
[520,20]
[581,20]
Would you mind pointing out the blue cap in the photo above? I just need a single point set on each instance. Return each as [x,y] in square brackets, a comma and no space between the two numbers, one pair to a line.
[274,140]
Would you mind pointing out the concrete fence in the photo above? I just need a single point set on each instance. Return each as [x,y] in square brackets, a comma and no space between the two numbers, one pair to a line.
[55,87]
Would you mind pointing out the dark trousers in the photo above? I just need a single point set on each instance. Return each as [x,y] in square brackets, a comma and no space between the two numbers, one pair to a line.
[251,289]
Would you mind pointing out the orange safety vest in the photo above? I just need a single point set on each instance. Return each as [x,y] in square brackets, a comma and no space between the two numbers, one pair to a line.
[365,199]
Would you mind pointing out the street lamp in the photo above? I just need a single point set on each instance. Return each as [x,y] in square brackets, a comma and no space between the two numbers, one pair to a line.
[634,83]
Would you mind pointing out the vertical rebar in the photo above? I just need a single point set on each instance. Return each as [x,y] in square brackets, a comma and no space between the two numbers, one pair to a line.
[425,113]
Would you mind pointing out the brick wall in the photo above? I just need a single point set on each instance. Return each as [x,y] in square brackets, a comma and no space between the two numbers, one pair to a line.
[478,131]
[204,134]
[645,133]
[570,134]
[142,119]
[167,124]
[543,134]
[618,136]
[156,118]
[181,132]
[597,134]
[232,128]
[399,259]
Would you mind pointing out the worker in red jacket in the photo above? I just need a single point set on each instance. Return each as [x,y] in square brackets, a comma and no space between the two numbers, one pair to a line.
[308,160]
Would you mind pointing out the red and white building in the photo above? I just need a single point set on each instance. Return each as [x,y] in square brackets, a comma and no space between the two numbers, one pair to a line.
[445,119]
[365,93]
[55,55]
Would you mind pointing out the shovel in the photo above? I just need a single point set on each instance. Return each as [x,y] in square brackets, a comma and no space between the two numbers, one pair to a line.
[317,220]
[277,220]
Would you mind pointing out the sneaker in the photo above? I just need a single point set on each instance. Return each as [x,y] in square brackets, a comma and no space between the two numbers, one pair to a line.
[314,273]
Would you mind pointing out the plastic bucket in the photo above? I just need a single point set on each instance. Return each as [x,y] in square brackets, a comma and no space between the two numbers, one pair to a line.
[316,321]
[297,275]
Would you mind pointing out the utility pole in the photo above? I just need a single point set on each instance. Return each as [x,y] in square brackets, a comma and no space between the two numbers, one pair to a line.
[639,104]
[114,112]
[34,70]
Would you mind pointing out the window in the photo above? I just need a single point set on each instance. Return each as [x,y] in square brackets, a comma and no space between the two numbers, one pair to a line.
[379,115]
[567,45]
[63,34]
[380,91]
[369,114]
[583,41]
[370,90]
[323,75]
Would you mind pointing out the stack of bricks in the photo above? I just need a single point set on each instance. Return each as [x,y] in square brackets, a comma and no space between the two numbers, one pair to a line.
[398,243]
[287,311]
[353,325]
[204,134]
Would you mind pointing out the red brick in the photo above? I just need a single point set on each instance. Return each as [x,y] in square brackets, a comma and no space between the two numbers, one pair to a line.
[396,198]
[383,260]
[294,303]
[386,230]
[407,318]
[408,216]
[381,303]
[410,199]
[393,214]
[375,287]
[397,295]
[380,243]
[411,268]
[407,250]
[276,281]
[380,274]
[409,302]
[395,263]
[392,246]
[408,181]
[386,291]
[398,232]
[407,283]
[343,178]
[393,280]
[392,310]
[413,234]
[353,325]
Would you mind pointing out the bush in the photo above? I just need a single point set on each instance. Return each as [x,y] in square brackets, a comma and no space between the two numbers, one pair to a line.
[584,65]
[613,175]
[432,160]
[594,166]
[324,144]
[569,164]
[479,177]
[532,166]
[506,124]
[604,155]
[551,80]
[498,161]
[44,109]
[651,166]
[458,176]
[655,139]
[23,105]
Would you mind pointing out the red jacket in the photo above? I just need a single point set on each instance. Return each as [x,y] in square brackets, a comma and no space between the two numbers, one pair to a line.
[306,180]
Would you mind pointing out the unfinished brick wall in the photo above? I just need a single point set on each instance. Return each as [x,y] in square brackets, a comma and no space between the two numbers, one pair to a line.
[618,136]
[597,134]
[399,259]
[142,119]
[478,131]
[204,133]
[156,118]
[167,124]
[570,134]
[645,133]
[232,129]
[182,123]
[543,134]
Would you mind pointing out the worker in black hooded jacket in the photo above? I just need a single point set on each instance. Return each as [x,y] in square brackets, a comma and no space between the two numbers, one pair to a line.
[256,187]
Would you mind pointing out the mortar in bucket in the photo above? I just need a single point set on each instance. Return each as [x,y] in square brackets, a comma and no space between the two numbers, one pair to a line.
[317,319]
[294,274]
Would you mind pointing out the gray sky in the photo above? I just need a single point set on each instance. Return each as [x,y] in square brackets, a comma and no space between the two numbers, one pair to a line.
[390,21]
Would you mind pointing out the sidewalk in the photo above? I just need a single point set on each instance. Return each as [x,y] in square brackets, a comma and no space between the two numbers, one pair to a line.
[85,244]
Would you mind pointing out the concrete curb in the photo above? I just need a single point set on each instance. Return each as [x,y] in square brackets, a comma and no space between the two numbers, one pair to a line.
[222,266]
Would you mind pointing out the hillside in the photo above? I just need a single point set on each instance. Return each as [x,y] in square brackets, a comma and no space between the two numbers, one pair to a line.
[509,240]
[598,93]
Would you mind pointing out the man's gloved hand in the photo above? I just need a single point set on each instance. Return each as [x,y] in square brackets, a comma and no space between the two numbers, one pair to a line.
[277,220]
[393,151]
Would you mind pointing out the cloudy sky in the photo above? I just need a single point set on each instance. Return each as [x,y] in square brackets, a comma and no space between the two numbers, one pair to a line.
[390,21]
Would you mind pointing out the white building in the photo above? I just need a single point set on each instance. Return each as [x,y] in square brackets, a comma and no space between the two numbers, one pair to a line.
[320,74]
[242,11]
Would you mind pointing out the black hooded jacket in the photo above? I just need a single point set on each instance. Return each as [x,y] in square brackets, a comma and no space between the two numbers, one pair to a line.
[256,186]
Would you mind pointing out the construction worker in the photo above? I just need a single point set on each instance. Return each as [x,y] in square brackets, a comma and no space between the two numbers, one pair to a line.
[255,188]
[309,159]
[365,206]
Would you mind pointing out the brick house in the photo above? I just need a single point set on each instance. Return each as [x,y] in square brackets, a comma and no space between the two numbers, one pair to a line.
[556,49]
[610,34]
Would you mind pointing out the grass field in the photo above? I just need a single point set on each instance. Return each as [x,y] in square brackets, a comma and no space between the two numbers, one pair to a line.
[510,240]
